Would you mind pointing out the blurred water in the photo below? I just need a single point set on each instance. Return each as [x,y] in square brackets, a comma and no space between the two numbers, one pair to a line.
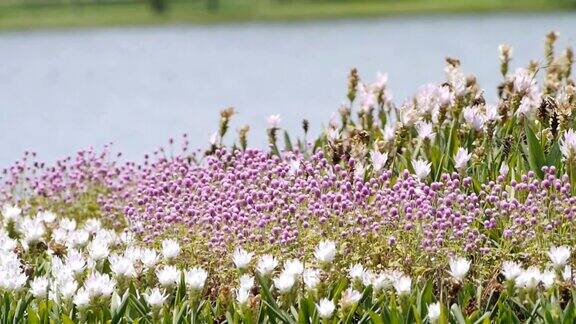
[63,90]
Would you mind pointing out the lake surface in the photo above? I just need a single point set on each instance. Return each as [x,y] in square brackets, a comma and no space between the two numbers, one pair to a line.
[62,90]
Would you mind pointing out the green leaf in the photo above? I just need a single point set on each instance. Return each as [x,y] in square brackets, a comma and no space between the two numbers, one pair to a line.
[535,153]
[287,141]
[457,313]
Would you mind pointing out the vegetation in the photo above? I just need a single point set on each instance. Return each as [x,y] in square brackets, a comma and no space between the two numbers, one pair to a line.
[444,209]
[20,15]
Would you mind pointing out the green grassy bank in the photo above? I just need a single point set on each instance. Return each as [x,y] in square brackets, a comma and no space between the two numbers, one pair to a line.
[18,15]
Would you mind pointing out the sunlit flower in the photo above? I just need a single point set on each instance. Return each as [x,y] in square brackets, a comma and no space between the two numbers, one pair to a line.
[350,297]
[356,271]
[266,264]
[461,159]
[548,278]
[242,258]
[122,266]
[568,144]
[325,308]
[98,250]
[378,160]
[311,278]
[39,287]
[325,252]
[425,131]
[421,168]
[168,276]
[10,213]
[155,298]
[459,267]
[170,249]
[149,258]
[511,270]
[273,121]
[246,282]
[284,282]
[294,267]
[403,285]
[559,256]
[529,278]
[195,278]
[434,312]
[242,296]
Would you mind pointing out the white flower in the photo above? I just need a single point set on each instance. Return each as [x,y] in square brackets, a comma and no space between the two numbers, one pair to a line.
[522,80]
[294,166]
[196,278]
[149,258]
[350,297]
[127,237]
[46,217]
[115,302]
[82,298]
[75,262]
[529,278]
[273,121]
[368,277]
[382,281]
[78,238]
[421,168]
[99,284]
[246,282]
[134,253]
[122,266]
[10,213]
[492,113]
[356,271]
[155,298]
[473,118]
[511,270]
[403,285]
[425,131]
[567,273]
[325,252]
[325,308]
[39,287]
[378,160]
[389,133]
[504,169]
[92,225]
[213,138]
[284,282]
[568,144]
[168,276]
[548,278]
[434,312]
[267,264]
[242,296]
[459,267]
[359,170]
[559,256]
[32,229]
[68,289]
[242,258]
[170,249]
[67,224]
[98,250]
[311,278]
[294,267]
[461,159]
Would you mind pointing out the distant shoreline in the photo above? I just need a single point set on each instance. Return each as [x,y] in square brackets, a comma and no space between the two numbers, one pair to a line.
[26,17]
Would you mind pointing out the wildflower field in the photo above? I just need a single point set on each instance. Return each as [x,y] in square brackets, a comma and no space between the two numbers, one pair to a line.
[443,209]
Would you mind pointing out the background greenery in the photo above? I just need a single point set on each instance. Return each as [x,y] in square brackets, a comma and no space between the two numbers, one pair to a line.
[20,14]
